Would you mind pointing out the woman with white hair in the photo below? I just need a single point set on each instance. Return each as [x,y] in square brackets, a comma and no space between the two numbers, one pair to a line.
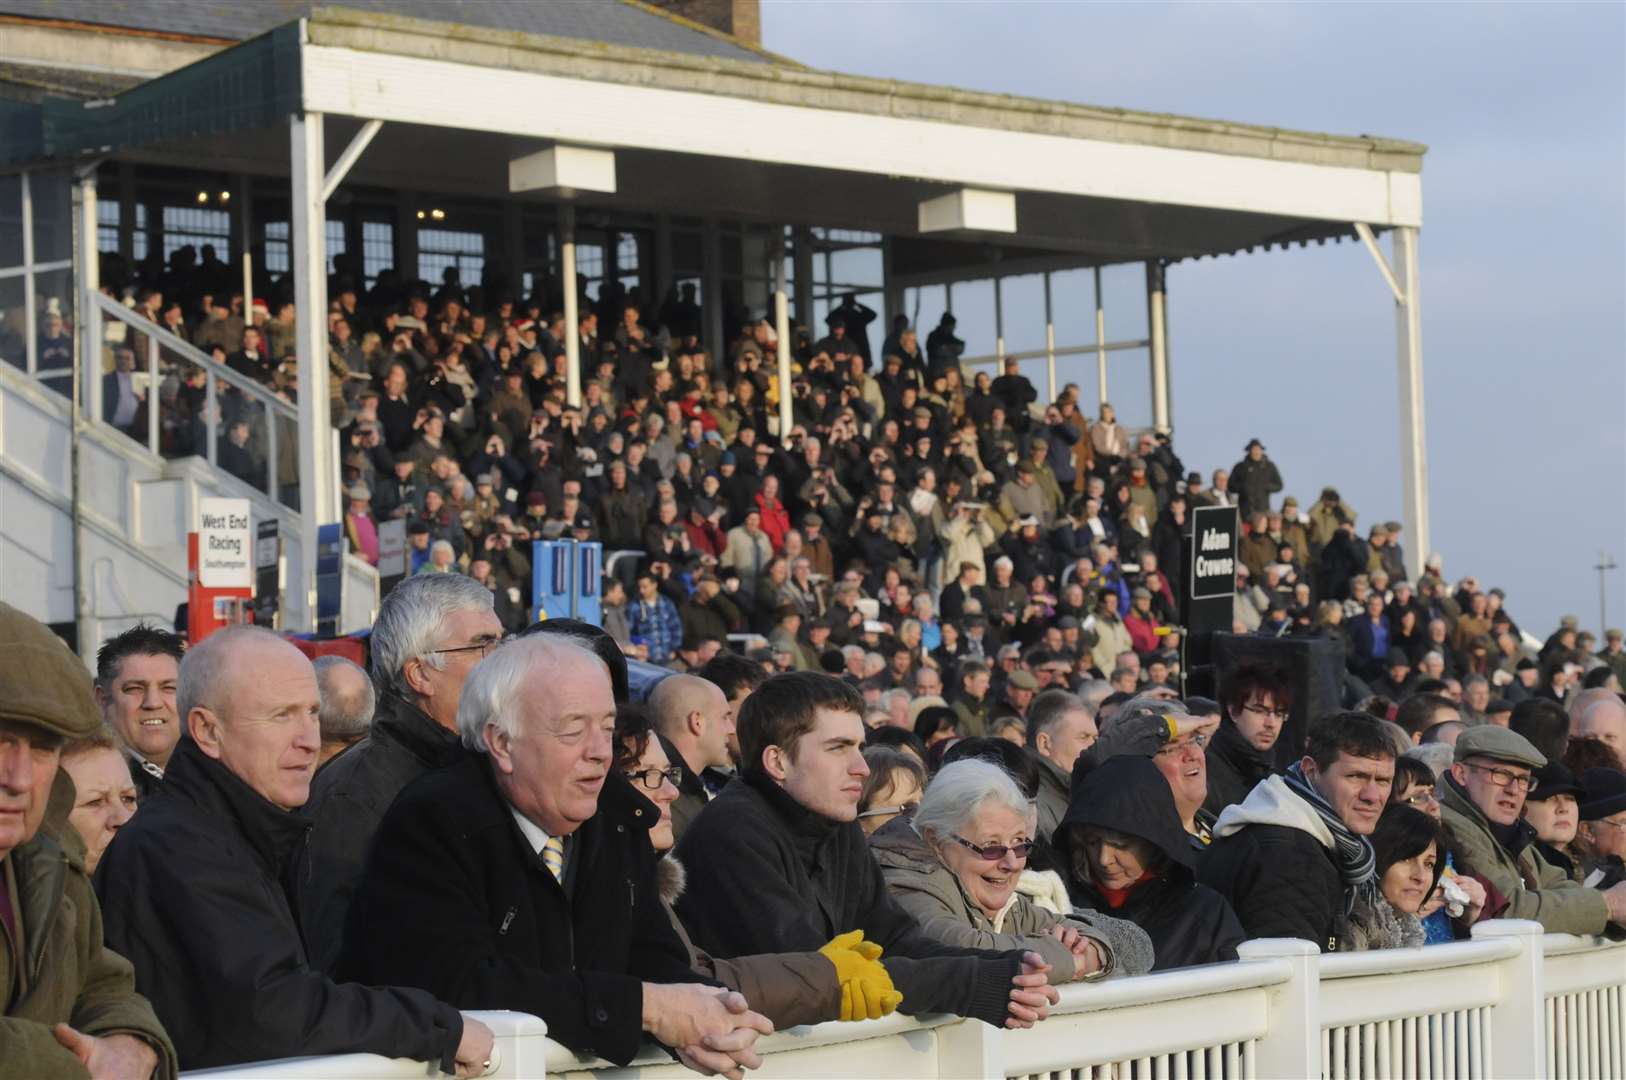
[955,865]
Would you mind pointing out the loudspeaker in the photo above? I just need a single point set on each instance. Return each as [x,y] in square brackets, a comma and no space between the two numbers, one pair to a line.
[1313,667]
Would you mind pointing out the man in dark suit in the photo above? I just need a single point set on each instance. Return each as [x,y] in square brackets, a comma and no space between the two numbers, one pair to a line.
[523,877]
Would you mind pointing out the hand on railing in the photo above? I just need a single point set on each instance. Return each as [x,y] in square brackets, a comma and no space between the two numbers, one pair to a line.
[712,1030]
[474,1050]
[1031,993]
[1087,958]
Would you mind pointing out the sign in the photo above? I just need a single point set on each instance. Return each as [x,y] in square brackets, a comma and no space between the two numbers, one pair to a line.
[331,546]
[565,580]
[1213,557]
[225,544]
[392,543]
[267,572]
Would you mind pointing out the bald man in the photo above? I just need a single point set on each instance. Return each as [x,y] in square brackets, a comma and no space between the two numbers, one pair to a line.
[194,894]
[695,722]
[347,705]
[1599,714]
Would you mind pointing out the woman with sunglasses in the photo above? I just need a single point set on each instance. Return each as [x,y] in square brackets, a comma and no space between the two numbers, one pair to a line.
[955,864]
[1123,851]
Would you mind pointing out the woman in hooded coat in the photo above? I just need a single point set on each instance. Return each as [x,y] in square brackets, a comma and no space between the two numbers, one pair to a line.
[1124,853]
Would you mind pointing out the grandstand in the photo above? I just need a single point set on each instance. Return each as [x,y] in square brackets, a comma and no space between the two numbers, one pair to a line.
[554,148]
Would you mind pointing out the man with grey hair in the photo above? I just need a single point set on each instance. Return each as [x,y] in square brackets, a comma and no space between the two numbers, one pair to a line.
[1599,714]
[194,891]
[523,877]
[347,705]
[431,631]
[1060,727]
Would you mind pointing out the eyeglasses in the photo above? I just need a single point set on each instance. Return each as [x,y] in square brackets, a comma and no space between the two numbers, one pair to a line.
[652,778]
[1260,710]
[1611,822]
[1504,778]
[485,645]
[1196,742]
[996,852]
[1421,799]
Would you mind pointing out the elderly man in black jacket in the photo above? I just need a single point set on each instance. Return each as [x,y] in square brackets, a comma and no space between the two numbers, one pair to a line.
[1293,857]
[523,877]
[777,862]
[192,888]
[430,633]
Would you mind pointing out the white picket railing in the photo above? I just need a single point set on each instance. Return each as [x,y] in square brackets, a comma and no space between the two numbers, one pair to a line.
[1509,1003]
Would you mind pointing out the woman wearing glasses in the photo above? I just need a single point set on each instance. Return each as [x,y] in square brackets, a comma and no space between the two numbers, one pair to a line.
[1123,850]
[955,865]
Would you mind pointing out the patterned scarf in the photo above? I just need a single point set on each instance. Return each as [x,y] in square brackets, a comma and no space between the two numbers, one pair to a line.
[1357,863]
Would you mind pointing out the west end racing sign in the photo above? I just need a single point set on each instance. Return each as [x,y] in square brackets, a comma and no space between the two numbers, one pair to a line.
[225,544]
[1213,564]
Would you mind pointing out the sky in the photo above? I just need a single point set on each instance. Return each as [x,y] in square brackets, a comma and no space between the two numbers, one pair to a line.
[1522,251]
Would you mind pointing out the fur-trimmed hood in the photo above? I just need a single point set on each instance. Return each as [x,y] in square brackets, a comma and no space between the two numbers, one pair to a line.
[671,879]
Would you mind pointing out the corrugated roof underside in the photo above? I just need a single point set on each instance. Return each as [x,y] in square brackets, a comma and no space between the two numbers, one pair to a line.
[592,20]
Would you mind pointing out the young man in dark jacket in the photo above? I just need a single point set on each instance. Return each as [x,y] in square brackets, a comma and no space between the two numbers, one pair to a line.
[523,877]
[777,862]
[430,633]
[192,890]
[1293,856]
[1123,852]
[1256,700]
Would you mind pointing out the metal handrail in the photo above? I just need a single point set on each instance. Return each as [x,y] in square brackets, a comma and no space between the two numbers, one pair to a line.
[274,407]
[1065,350]
[194,355]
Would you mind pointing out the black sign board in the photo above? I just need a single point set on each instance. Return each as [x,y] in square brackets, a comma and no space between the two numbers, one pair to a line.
[1213,557]
[1210,589]
[267,572]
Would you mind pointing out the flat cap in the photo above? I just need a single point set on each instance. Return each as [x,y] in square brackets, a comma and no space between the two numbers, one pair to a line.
[42,683]
[1498,744]
[1023,680]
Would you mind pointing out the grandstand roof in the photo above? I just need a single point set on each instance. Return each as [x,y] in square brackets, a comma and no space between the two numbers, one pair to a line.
[737,132]
[614,22]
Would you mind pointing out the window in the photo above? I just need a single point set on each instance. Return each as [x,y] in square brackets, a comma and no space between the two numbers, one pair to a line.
[109,215]
[377,249]
[439,249]
[278,255]
[195,225]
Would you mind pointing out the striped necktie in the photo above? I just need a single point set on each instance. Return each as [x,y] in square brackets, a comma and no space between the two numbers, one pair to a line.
[553,857]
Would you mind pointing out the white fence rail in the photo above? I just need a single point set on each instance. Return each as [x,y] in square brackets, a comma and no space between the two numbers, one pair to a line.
[1510,1003]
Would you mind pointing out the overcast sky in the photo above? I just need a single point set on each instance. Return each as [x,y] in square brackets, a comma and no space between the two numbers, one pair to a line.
[1523,248]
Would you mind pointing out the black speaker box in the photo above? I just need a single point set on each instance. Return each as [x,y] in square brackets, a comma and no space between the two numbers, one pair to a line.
[1313,667]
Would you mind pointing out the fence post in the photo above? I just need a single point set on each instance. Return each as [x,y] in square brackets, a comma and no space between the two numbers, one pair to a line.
[969,1050]
[1518,1025]
[1291,1047]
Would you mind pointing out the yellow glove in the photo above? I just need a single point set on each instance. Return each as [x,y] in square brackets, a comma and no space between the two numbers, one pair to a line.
[867,992]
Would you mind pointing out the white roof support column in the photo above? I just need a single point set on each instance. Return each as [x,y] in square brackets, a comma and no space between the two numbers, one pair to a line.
[1100,341]
[318,480]
[1413,429]
[1157,333]
[567,279]
[781,327]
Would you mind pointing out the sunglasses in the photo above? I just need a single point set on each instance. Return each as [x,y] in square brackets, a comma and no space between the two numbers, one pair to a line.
[996,852]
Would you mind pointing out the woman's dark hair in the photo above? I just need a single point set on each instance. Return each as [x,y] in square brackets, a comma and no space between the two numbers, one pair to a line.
[1354,733]
[1589,752]
[935,718]
[1022,766]
[883,761]
[896,738]
[1544,723]
[1405,833]
[634,727]
[1409,771]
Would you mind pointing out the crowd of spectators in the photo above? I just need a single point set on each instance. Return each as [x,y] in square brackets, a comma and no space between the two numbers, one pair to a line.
[954,765]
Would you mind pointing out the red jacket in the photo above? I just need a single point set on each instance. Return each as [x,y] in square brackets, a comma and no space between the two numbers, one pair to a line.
[775,521]
[1142,632]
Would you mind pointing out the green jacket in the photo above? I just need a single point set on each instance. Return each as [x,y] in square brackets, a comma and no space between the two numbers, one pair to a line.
[1535,888]
[66,975]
